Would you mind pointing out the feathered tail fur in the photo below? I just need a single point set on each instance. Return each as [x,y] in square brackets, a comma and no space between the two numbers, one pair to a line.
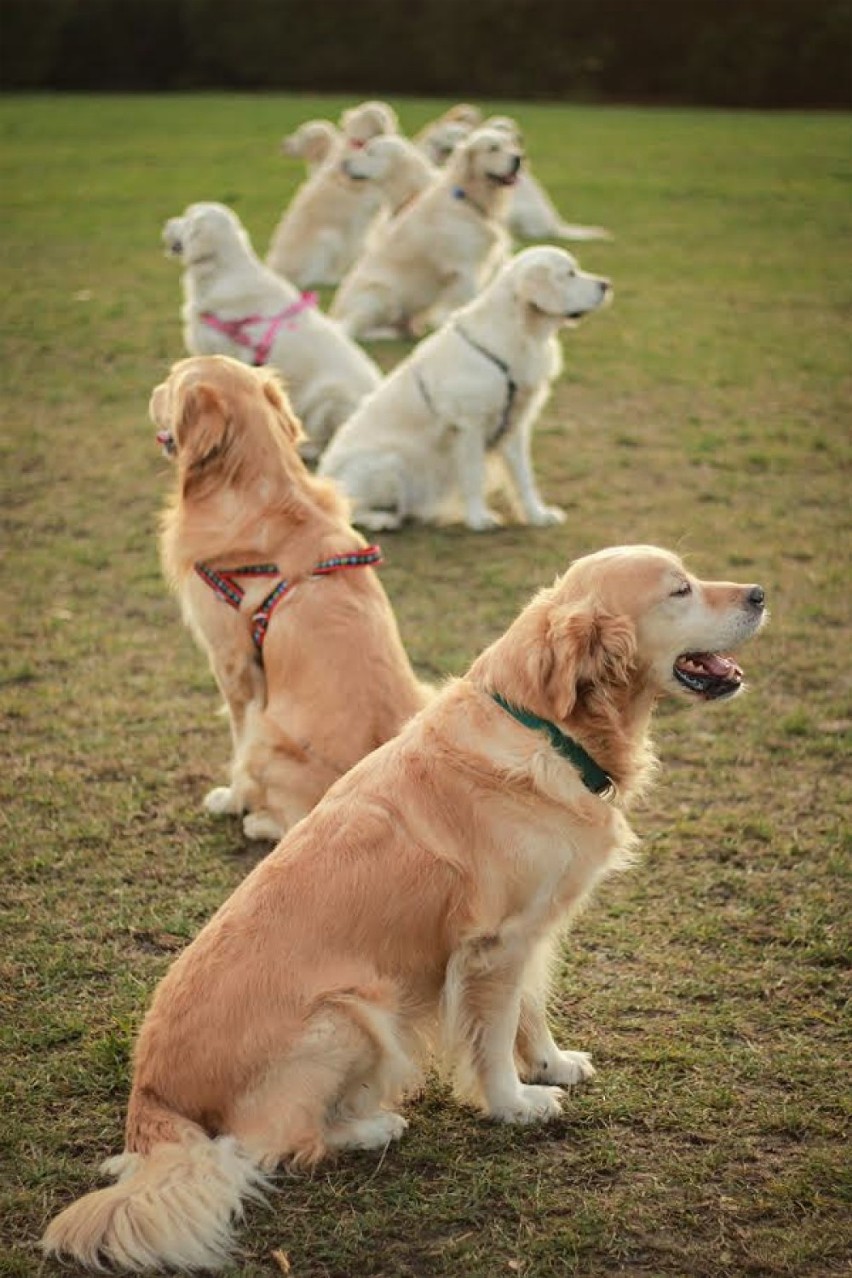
[174,1207]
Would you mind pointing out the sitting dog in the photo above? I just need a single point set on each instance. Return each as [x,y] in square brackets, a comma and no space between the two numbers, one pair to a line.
[322,231]
[420,442]
[234,305]
[436,255]
[532,214]
[422,898]
[399,170]
[277,589]
[314,141]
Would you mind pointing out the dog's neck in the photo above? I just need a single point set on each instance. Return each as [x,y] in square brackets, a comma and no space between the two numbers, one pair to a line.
[486,198]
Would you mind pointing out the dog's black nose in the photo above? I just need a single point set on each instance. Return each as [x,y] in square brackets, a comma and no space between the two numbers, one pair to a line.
[756,597]
[604,286]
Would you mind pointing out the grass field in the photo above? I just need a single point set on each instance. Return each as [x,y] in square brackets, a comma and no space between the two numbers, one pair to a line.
[706,410]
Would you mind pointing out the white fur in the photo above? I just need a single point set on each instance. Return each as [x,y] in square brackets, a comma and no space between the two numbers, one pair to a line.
[326,373]
[420,442]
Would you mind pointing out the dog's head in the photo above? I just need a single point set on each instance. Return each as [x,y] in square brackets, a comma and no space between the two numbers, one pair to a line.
[204,234]
[220,420]
[312,142]
[487,157]
[621,628]
[368,120]
[376,159]
[442,138]
[549,281]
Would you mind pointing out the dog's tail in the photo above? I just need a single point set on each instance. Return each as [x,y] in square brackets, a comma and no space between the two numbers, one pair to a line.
[173,1207]
[571,231]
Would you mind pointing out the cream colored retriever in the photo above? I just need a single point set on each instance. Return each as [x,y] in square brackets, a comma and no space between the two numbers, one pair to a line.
[234,305]
[277,589]
[314,141]
[438,253]
[322,231]
[439,138]
[420,442]
[532,214]
[420,902]
[399,170]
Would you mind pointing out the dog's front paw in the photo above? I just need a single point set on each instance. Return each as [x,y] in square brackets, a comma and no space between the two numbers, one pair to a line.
[262,825]
[484,520]
[222,801]
[530,1104]
[566,1069]
[547,516]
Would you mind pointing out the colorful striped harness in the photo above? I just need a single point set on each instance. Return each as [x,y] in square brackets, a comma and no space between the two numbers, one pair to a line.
[223,583]
[260,348]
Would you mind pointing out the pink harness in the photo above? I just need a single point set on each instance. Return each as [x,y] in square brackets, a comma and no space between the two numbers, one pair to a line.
[260,348]
[223,583]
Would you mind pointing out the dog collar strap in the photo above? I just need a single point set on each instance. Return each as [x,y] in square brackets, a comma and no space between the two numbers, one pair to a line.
[260,348]
[223,583]
[459,193]
[591,774]
[511,384]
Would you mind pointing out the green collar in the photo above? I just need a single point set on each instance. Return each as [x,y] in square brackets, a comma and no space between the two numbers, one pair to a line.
[591,774]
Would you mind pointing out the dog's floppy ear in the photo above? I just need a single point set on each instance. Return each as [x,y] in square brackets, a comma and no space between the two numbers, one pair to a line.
[287,419]
[535,286]
[589,655]
[201,425]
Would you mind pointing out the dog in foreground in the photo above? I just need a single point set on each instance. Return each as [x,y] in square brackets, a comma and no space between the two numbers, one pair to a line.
[417,905]
[277,588]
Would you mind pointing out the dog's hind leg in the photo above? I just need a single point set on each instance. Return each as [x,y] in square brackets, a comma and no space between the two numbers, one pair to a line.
[334,1087]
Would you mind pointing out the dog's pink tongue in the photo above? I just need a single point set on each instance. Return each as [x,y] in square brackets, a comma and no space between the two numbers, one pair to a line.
[722,667]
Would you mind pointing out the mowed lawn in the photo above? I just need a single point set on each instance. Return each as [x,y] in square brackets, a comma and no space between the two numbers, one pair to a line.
[706,410]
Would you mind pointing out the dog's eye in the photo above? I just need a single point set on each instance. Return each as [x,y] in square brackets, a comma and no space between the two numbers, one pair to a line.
[682,590]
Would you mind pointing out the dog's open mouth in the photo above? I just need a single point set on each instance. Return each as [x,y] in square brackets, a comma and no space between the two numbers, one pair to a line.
[166,440]
[708,674]
[504,179]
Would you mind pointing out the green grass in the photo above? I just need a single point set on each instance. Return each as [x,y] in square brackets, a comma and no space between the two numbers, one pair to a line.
[707,410]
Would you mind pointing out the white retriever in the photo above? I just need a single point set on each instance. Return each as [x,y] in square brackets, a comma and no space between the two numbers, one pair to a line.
[420,903]
[314,141]
[420,442]
[532,214]
[322,231]
[234,305]
[438,253]
[397,167]
[439,138]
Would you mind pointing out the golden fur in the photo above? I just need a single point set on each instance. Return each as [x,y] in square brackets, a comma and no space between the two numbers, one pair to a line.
[417,905]
[334,681]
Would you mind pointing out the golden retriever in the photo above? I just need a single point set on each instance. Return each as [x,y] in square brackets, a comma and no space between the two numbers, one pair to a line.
[322,231]
[532,215]
[277,589]
[437,254]
[313,141]
[399,170]
[418,446]
[418,903]
[234,305]
[439,138]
